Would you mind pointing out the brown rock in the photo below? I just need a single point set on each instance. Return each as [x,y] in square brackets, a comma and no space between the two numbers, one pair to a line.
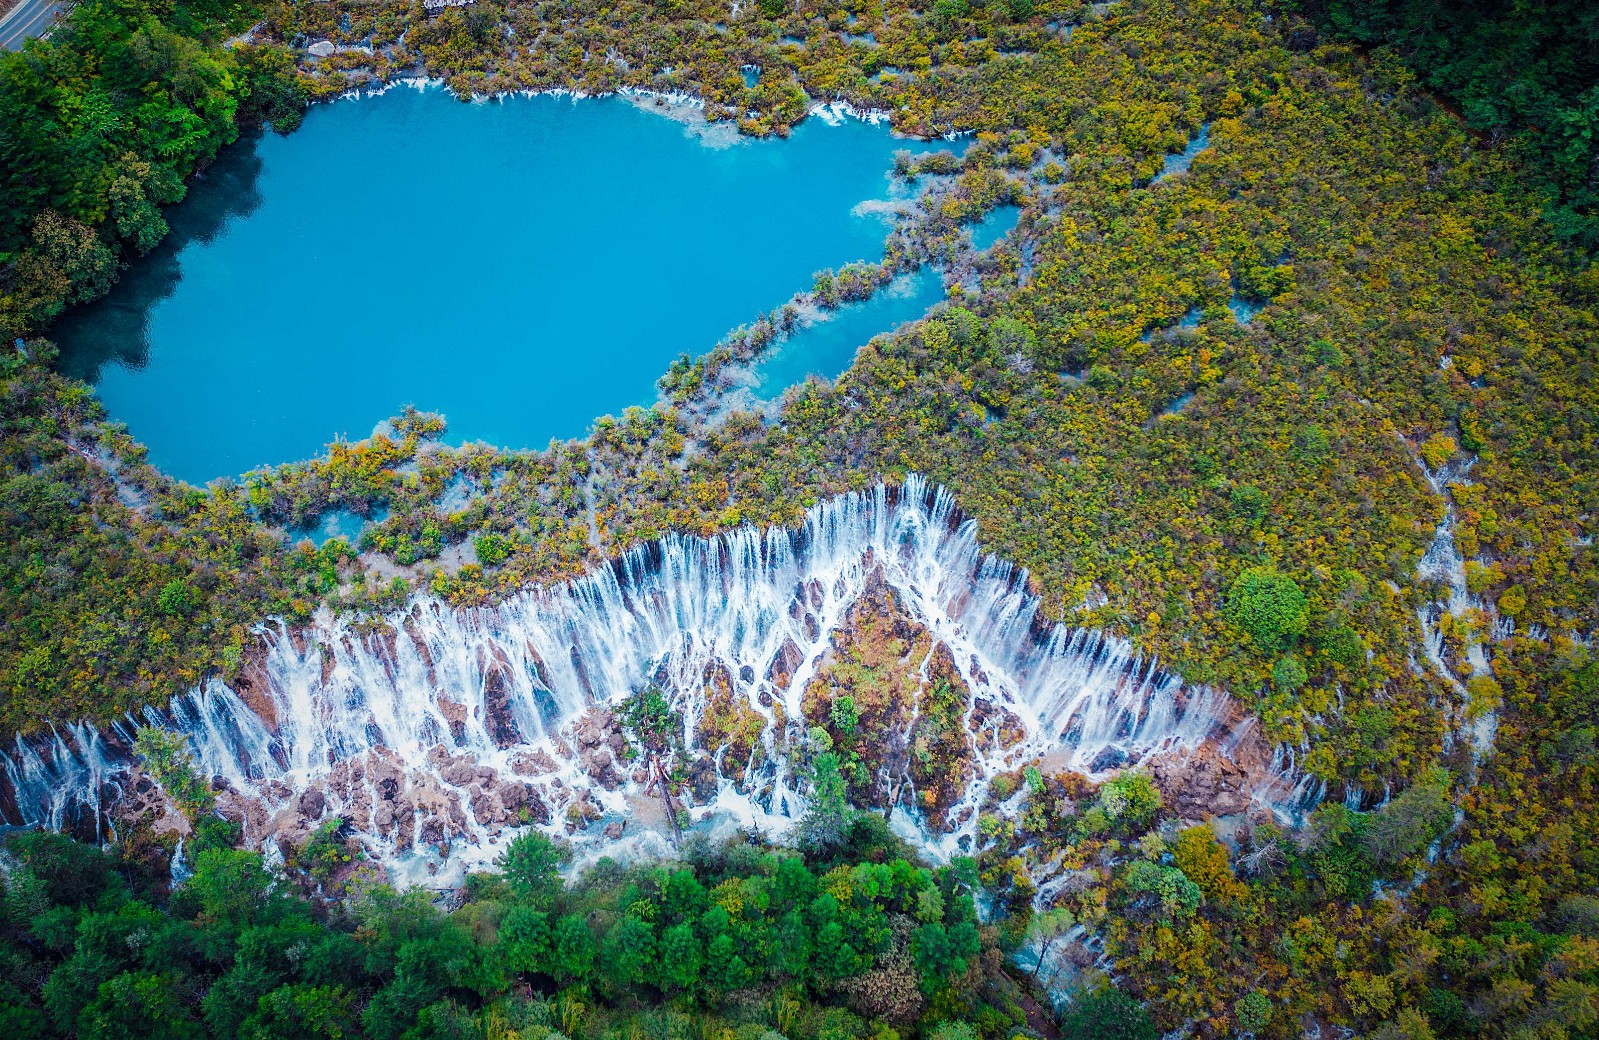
[785,664]
[498,719]
[254,686]
[538,763]
[313,803]
[1200,784]
[455,715]
[703,780]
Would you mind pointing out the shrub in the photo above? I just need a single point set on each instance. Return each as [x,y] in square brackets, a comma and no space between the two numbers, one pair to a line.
[1483,695]
[946,12]
[493,548]
[1578,914]
[176,599]
[1326,352]
[953,1031]
[1248,503]
[845,715]
[1437,450]
[1101,377]
[1204,861]
[1130,798]
[1312,444]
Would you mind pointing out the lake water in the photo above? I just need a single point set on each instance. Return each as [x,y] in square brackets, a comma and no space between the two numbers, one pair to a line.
[522,266]
[825,345]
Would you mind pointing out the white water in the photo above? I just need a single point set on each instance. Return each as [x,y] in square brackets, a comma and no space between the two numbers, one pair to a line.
[351,704]
[1443,563]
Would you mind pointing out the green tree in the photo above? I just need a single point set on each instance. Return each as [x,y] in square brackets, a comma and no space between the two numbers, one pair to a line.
[1253,1011]
[166,755]
[139,1006]
[947,12]
[1270,606]
[1411,821]
[844,715]
[725,970]
[232,889]
[1312,444]
[1288,674]
[69,873]
[1176,893]
[681,959]
[572,958]
[532,865]
[1045,930]
[628,952]
[1107,1014]
[304,1012]
[1344,647]
[525,941]
[827,819]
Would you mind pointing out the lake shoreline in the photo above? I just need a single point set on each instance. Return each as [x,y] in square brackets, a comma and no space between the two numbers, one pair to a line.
[831,113]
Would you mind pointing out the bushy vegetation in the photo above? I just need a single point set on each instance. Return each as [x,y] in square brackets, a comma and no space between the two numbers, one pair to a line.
[1402,921]
[120,587]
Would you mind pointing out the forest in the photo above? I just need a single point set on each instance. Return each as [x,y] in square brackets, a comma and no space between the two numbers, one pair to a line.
[736,941]
[1527,76]
[1222,413]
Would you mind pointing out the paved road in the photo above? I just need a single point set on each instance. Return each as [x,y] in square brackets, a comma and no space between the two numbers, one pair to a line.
[28,19]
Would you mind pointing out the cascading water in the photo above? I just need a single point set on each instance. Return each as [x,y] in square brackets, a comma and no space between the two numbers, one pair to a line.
[1442,563]
[438,733]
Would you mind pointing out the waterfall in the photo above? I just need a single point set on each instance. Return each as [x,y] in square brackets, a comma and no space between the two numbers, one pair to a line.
[439,733]
[1443,563]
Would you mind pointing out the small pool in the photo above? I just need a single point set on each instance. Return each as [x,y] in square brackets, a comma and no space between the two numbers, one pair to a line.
[995,225]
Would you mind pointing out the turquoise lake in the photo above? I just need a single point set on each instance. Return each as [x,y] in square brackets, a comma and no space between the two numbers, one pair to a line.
[826,345]
[523,266]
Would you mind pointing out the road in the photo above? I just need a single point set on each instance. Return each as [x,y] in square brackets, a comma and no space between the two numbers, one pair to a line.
[28,19]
